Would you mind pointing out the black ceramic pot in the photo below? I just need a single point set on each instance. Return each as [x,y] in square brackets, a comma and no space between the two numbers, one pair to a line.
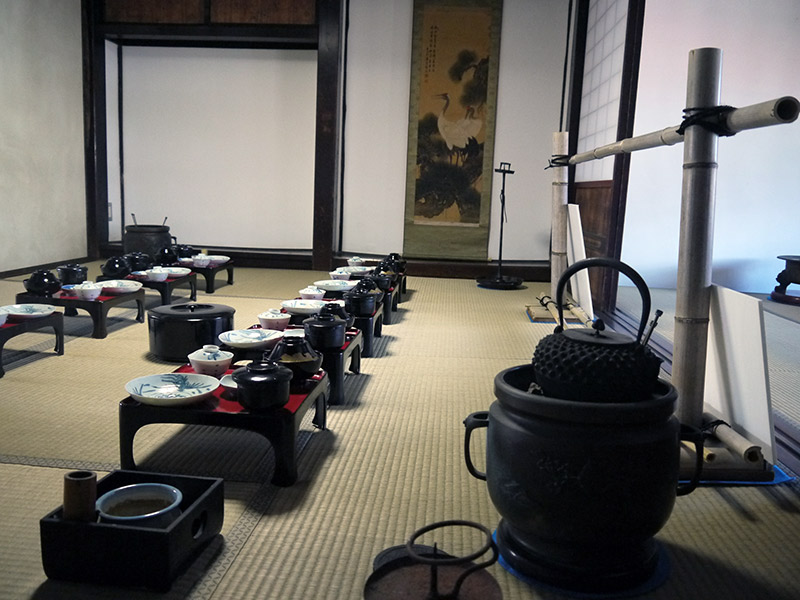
[165,257]
[383,281]
[72,274]
[139,261]
[116,267]
[325,331]
[360,303]
[183,251]
[582,487]
[298,355]
[262,385]
[42,283]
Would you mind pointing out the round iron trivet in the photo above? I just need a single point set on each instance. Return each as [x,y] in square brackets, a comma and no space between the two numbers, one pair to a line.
[418,571]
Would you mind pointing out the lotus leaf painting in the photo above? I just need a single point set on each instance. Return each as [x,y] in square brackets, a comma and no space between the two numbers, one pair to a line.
[451,128]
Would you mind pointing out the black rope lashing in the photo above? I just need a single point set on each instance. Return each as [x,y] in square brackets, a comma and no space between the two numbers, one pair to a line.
[710,428]
[710,118]
[557,160]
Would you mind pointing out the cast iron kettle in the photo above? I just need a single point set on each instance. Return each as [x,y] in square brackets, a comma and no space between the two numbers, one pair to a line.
[595,365]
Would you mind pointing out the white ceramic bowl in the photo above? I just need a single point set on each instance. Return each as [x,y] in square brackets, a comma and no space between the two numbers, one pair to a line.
[253,339]
[186,261]
[303,307]
[200,260]
[340,274]
[274,319]
[157,274]
[171,389]
[21,312]
[210,360]
[355,261]
[121,286]
[139,275]
[312,293]
[335,285]
[87,290]
[176,271]
[140,504]
[214,260]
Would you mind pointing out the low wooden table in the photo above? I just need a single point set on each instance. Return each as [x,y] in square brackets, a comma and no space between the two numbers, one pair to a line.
[165,287]
[210,274]
[371,327]
[390,299]
[15,328]
[98,309]
[789,275]
[279,426]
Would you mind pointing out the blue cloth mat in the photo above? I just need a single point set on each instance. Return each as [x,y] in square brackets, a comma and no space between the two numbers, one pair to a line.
[659,576]
[779,476]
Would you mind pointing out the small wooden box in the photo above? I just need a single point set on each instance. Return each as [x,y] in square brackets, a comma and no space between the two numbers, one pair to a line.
[128,556]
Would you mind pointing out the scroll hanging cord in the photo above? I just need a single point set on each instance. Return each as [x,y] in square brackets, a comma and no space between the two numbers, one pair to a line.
[710,118]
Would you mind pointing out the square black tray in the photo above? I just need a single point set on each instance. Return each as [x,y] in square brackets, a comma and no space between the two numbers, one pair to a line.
[122,555]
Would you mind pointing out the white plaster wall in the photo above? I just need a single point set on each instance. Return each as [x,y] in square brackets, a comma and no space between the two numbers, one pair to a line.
[757,213]
[42,183]
[221,142]
[376,126]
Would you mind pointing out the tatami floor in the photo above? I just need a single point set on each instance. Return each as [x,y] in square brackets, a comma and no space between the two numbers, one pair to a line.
[390,462]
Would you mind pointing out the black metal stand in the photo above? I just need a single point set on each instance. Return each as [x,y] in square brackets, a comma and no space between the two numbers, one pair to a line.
[500,281]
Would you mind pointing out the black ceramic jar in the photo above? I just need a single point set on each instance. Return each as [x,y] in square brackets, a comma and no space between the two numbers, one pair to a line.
[262,385]
[325,331]
[360,302]
[72,274]
[116,267]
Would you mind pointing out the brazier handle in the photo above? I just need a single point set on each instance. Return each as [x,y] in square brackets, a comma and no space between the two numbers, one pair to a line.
[695,436]
[474,421]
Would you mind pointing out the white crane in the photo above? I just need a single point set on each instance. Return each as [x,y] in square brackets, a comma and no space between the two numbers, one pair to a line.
[453,132]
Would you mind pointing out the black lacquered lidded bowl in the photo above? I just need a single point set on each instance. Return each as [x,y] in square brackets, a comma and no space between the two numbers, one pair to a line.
[325,331]
[262,385]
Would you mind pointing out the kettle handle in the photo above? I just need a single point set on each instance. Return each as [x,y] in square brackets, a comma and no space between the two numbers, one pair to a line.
[604,261]
[474,421]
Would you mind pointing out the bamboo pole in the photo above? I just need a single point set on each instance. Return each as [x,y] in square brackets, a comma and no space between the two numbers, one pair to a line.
[558,226]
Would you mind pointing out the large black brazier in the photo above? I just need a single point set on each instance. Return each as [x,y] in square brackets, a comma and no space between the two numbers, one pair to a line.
[582,487]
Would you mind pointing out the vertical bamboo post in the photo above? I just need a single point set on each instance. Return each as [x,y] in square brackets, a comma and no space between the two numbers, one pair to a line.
[558,231]
[696,238]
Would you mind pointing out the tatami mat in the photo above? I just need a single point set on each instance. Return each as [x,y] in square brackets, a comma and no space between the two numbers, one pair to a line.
[390,462]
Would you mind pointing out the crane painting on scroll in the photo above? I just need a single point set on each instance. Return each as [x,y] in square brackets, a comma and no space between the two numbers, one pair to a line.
[451,128]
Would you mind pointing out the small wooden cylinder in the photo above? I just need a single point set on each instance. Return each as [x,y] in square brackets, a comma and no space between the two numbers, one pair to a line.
[80,495]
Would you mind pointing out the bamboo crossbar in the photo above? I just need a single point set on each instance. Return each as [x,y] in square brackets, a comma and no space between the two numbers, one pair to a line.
[764,114]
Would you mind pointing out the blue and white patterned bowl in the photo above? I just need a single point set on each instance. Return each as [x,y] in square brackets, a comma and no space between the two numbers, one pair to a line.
[253,339]
[210,360]
[21,312]
[121,286]
[171,389]
[336,285]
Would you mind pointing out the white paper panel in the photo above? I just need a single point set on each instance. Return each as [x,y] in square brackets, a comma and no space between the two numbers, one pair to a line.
[576,250]
[221,141]
[737,384]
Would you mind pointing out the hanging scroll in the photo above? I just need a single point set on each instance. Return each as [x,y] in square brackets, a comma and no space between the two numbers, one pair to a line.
[455,57]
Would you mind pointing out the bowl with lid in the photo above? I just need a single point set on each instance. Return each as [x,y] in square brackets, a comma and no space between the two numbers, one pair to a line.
[312,293]
[274,319]
[88,290]
[210,360]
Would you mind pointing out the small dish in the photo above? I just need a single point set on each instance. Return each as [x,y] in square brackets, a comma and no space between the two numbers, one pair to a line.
[228,383]
[139,275]
[336,285]
[274,319]
[157,274]
[250,338]
[21,312]
[177,271]
[311,293]
[171,389]
[121,286]
[303,307]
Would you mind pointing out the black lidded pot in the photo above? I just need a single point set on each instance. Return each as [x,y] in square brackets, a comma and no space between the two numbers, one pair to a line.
[297,354]
[72,273]
[325,331]
[338,309]
[166,257]
[360,302]
[139,261]
[116,267]
[42,283]
[262,385]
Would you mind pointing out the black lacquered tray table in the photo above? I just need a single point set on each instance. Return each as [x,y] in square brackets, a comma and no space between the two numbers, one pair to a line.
[279,425]
[166,287]
[210,274]
[11,329]
[98,309]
